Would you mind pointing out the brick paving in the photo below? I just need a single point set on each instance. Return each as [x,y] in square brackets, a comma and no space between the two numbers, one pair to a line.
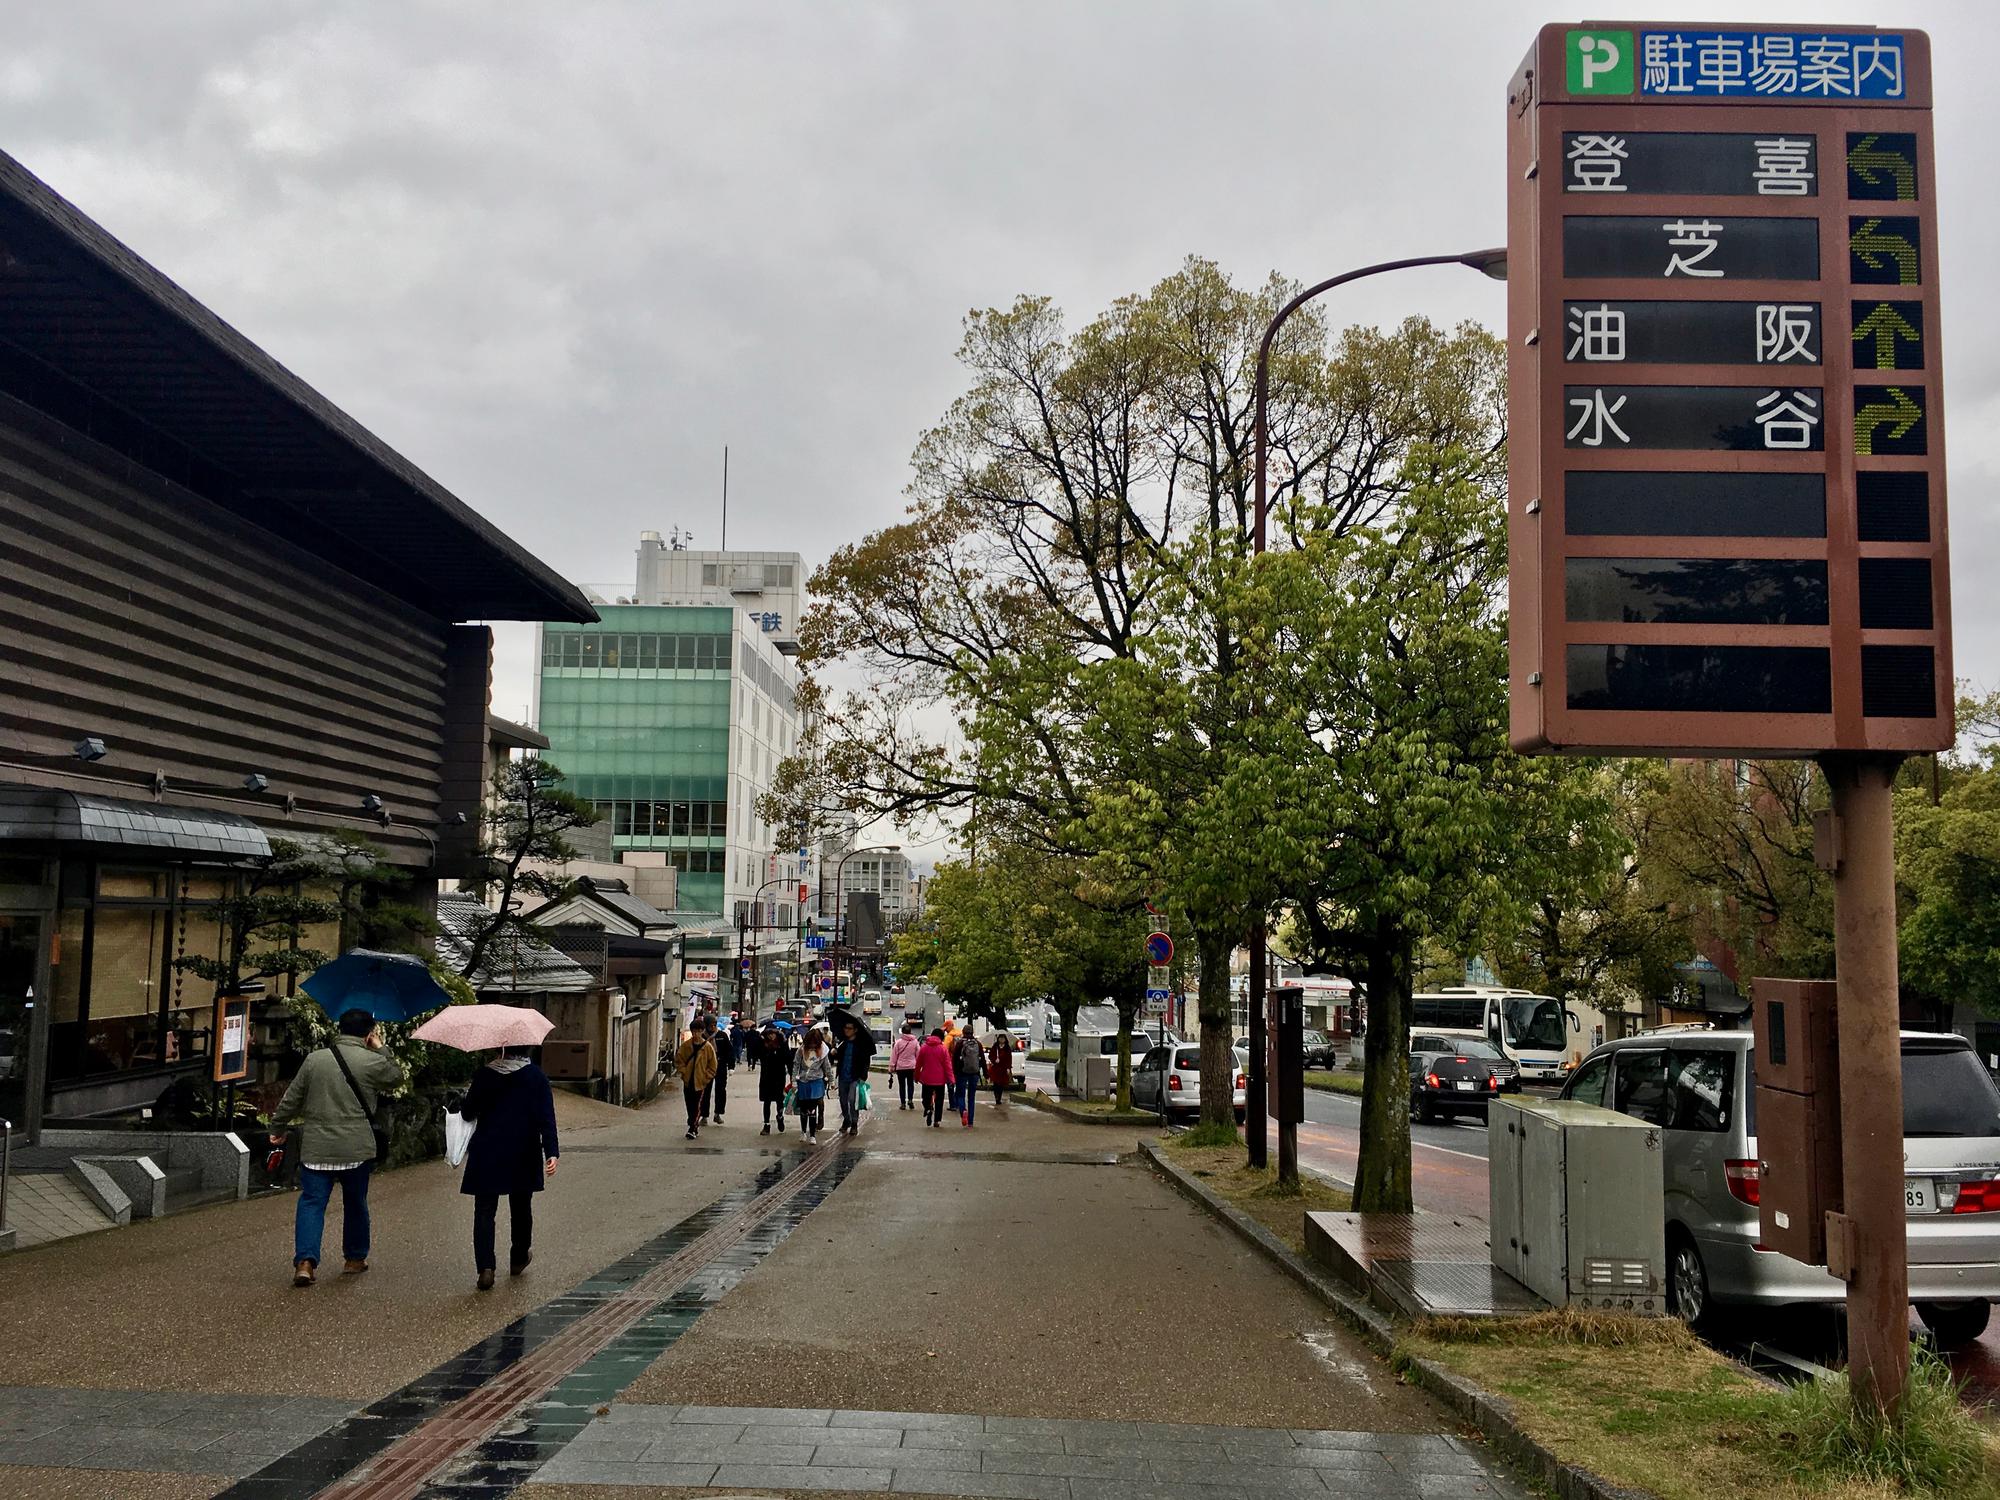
[42,1207]
[1032,1458]
[71,1428]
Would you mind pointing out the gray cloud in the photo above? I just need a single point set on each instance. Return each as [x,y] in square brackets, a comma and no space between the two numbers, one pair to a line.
[560,255]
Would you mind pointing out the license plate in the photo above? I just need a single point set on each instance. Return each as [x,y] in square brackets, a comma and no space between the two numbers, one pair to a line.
[1465,1085]
[1919,1195]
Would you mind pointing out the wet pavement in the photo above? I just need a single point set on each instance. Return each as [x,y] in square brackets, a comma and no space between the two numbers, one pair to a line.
[175,1360]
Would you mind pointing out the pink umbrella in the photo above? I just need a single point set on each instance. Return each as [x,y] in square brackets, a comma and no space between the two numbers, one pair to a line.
[478,1028]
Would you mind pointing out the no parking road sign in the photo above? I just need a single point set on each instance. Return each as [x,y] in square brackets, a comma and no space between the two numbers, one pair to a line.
[1159,948]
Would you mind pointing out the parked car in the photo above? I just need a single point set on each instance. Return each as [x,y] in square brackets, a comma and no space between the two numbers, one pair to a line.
[1472,1044]
[1452,1082]
[1700,1088]
[1175,1073]
[1320,1051]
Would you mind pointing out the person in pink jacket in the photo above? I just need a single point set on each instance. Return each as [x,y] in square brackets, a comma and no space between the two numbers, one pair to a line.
[903,1063]
[934,1073]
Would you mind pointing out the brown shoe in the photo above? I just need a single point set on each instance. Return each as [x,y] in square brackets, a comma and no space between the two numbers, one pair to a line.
[486,1280]
[302,1272]
[353,1267]
[516,1267]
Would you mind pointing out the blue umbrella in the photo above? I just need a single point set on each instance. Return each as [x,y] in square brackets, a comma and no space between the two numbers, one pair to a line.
[389,986]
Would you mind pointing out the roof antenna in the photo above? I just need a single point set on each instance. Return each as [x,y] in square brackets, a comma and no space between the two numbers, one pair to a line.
[725,497]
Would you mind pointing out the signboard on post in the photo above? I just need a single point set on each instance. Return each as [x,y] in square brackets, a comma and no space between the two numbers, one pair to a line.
[232,1038]
[1726,526]
[1159,948]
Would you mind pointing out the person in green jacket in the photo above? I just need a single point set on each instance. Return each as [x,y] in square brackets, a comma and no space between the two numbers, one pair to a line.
[337,1140]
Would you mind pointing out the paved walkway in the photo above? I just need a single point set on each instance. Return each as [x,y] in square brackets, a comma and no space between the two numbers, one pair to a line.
[1107,1333]
[1035,1458]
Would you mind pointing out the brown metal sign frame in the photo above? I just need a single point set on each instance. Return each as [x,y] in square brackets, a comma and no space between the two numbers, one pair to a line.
[1539,545]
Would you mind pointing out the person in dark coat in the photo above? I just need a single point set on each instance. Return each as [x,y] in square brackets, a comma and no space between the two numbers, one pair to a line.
[725,1059]
[513,1150]
[774,1072]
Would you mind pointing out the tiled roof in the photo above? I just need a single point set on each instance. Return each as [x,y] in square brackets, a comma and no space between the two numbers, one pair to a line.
[513,961]
[46,815]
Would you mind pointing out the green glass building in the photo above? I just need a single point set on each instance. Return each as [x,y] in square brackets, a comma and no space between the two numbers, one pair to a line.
[673,718]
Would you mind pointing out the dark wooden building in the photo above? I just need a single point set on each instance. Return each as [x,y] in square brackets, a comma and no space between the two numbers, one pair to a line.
[229,613]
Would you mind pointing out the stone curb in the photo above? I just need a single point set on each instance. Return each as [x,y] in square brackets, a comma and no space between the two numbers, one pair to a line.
[1469,1403]
[1046,1105]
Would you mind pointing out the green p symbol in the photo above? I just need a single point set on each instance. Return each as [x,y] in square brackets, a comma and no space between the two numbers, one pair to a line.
[1600,62]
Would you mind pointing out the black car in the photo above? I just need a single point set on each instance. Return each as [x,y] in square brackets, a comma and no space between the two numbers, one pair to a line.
[1320,1052]
[1459,1082]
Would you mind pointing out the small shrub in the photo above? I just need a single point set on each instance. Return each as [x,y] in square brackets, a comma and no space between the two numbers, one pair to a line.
[1938,1446]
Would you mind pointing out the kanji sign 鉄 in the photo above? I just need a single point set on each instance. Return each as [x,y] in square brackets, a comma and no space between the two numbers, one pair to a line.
[1727,510]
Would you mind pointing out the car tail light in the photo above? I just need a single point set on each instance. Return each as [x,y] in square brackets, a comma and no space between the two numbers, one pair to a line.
[1242,1082]
[1174,1083]
[1972,1197]
[1461,1059]
[1433,1080]
[1745,1181]
[1493,1080]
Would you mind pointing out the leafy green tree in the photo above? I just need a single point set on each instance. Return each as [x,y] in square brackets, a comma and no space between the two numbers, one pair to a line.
[1599,927]
[266,915]
[522,847]
[1391,768]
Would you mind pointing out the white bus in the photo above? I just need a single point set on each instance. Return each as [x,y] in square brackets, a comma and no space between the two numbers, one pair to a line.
[1544,1037]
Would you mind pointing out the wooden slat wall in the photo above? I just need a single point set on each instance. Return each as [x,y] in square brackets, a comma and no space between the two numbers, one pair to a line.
[201,647]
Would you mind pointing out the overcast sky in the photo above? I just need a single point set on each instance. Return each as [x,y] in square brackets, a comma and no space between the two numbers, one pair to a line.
[560,254]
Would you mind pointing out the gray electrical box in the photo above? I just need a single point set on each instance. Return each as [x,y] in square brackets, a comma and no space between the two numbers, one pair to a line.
[1578,1213]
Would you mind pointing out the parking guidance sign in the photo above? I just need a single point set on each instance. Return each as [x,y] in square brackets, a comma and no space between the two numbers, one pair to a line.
[1727,512]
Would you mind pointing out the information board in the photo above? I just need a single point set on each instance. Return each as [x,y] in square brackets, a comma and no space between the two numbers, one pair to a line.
[232,1038]
[1726,458]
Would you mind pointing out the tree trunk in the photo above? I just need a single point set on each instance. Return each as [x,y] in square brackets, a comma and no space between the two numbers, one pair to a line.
[1218,1031]
[1382,1170]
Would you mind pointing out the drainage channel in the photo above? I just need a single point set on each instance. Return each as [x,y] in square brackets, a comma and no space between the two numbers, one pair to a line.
[481,1423]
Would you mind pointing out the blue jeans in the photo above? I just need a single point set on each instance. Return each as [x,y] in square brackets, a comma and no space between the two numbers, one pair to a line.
[315,1188]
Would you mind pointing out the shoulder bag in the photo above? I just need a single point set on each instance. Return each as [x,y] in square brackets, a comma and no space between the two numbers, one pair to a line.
[381,1135]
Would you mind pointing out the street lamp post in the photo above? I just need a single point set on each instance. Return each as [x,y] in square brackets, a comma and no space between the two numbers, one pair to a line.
[839,915]
[1490,263]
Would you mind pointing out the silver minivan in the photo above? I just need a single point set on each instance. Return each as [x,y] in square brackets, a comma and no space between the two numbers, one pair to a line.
[1175,1074]
[1698,1086]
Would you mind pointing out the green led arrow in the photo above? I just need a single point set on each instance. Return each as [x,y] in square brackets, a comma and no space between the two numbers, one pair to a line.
[1885,325]
[1871,246]
[1867,159]
[1899,411]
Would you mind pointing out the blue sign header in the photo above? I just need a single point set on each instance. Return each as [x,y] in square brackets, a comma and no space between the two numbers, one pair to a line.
[1799,65]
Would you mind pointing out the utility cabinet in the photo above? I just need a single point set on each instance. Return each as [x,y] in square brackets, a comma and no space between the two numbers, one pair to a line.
[1577,1204]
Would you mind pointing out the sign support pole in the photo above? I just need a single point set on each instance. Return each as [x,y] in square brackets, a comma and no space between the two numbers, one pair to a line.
[1868,1242]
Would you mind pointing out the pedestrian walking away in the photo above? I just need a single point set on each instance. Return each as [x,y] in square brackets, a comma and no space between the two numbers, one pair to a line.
[968,1063]
[513,1151]
[934,1075]
[694,1060]
[851,1057]
[1000,1067]
[903,1064]
[333,1100]
[774,1072]
[725,1059]
[809,1082]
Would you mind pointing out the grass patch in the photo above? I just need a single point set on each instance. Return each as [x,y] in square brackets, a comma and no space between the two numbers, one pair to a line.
[1045,1054]
[1644,1403]
[1208,1134]
[1280,1209]
[1334,1083]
